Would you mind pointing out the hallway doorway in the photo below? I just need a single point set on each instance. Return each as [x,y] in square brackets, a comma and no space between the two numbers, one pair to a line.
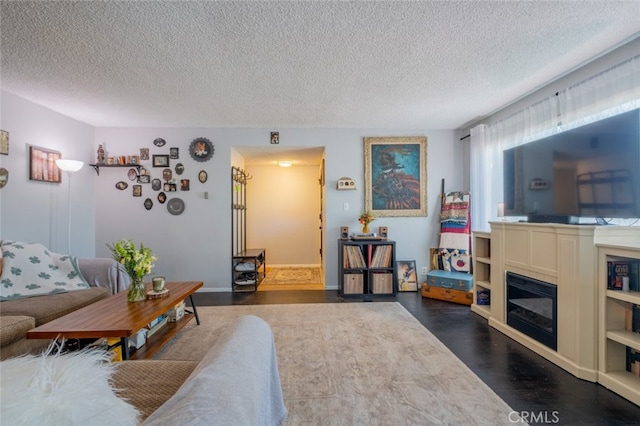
[285,214]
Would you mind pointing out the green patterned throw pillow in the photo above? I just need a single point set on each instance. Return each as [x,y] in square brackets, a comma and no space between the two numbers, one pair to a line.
[29,269]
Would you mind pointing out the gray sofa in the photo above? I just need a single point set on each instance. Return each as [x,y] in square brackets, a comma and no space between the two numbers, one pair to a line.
[236,383]
[105,276]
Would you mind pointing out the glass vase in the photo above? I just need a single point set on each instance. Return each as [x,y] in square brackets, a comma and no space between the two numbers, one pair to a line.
[365,228]
[137,290]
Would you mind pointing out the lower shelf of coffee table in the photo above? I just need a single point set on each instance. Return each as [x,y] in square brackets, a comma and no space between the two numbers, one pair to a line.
[159,339]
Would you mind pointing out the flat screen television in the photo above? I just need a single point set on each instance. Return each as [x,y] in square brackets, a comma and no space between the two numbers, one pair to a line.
[590,171]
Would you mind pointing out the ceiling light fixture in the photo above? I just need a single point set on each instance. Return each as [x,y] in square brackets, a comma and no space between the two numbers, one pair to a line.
[285,163]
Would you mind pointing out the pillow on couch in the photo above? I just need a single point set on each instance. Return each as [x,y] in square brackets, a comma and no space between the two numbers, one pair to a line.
[71,389]
[29,269]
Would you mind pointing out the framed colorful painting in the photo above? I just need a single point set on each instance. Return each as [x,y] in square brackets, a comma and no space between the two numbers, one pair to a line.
[407,276]
[395,176]
[42,165]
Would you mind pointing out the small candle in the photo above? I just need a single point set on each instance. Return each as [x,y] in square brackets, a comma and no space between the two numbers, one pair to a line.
[158,284]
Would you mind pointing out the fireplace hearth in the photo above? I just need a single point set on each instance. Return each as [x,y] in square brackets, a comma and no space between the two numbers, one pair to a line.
[532,308]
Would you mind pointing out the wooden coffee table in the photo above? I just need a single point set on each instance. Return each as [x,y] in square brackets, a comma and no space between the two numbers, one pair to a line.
[115,317]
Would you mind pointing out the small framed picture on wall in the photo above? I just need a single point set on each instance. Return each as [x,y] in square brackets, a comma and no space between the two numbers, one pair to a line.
[160,161]
[42,165]
[4,142]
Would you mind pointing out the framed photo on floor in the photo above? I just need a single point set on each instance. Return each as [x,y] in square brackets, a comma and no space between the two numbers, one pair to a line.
[395,176]
[407,275]
[42,165]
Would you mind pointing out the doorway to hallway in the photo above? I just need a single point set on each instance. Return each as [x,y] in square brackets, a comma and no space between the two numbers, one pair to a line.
[285,215]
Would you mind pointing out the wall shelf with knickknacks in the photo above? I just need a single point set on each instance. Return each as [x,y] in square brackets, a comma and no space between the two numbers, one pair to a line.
[97,167]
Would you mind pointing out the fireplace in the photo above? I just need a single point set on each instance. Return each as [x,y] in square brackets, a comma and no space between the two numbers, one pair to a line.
[532,308]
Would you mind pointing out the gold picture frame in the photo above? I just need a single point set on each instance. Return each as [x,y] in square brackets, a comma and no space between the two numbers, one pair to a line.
[395,176]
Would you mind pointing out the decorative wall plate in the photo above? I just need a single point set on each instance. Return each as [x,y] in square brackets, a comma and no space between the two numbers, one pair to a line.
[132,174]
[162,197]
[175,206]
[159,142]
[122,185]
[179,168]
[148,204]
[201,149]
[156,184]
[202,176]
[4,177]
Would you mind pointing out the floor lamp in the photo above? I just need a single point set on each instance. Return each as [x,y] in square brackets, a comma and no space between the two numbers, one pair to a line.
[69,167]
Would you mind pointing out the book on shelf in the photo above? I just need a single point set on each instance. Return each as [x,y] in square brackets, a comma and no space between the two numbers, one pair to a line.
[352,257]
[633,361]
[369,256]
[382,257]
[618,270]
[632,318]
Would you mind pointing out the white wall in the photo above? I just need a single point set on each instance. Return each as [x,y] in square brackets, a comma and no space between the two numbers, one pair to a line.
[197,244]
[283,208]
[33,211]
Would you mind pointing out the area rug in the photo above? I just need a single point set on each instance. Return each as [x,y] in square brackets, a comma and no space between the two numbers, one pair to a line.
[292,275]
[357,364]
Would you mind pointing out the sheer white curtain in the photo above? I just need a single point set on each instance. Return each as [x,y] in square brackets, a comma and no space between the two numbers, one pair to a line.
[609,93]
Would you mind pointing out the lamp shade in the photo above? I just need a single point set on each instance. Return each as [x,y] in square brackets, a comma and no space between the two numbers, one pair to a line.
[70,166]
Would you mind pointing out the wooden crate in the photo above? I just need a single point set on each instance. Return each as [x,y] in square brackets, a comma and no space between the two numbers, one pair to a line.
[381,283]
[353,284]
[460,297]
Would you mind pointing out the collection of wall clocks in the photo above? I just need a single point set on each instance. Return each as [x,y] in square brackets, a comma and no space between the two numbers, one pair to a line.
[200,149]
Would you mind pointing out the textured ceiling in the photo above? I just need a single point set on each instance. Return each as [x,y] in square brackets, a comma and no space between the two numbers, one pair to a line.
[395,65]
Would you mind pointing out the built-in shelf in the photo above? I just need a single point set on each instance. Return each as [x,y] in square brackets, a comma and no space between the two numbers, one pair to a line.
[481,273]
[97,167]
[618,335]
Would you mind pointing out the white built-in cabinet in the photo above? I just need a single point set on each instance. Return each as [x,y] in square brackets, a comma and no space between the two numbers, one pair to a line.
[481,251]
[591,341]
[614,337]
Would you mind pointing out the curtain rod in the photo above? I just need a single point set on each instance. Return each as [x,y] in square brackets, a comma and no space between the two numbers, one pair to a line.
[464,137]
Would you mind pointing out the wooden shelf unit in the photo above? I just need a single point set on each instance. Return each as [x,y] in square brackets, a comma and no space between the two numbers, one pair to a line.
[367,268]
[614,339]
[481,253]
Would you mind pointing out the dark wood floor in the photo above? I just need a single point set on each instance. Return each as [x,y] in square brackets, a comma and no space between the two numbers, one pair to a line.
[531,385]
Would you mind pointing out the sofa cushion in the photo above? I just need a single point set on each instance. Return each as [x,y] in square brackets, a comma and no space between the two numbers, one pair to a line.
[46,308]
[30,270]
[14,328]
